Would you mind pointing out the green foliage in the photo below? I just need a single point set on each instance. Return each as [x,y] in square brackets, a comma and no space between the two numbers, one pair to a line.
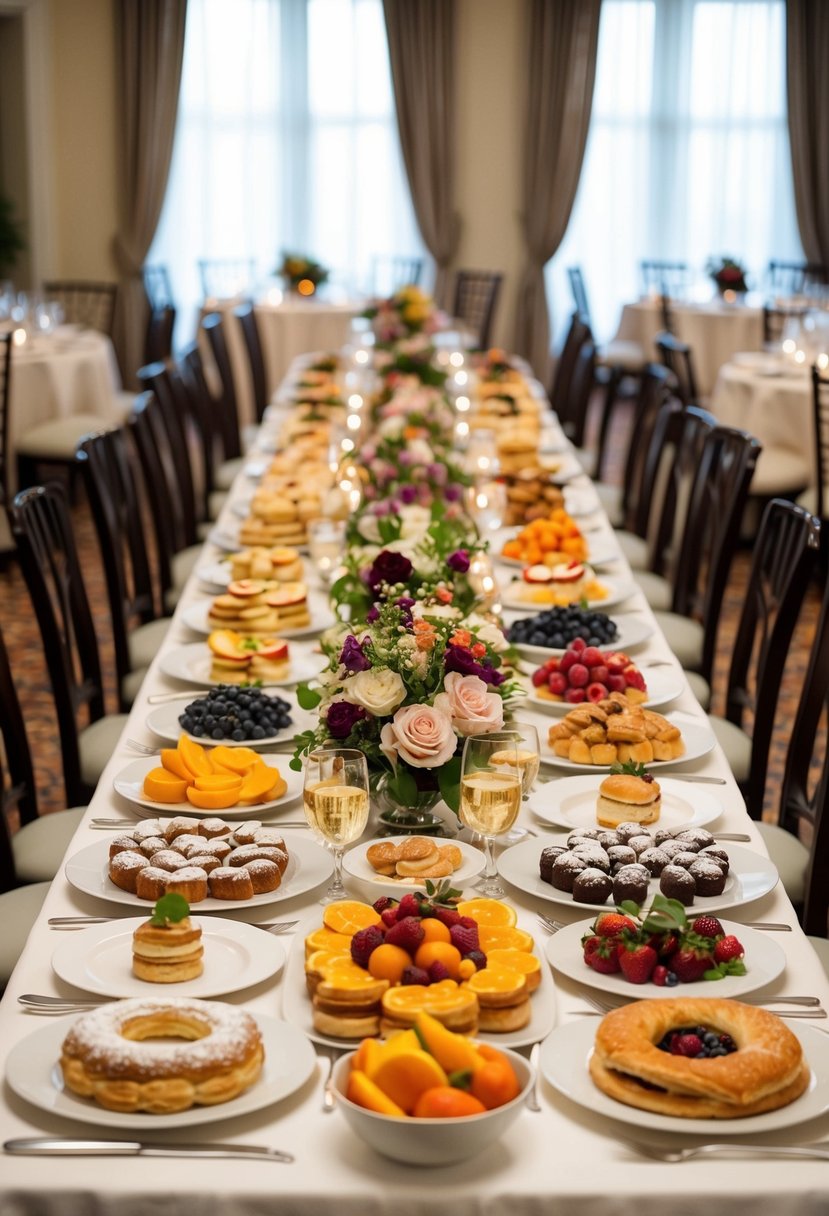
[169,910]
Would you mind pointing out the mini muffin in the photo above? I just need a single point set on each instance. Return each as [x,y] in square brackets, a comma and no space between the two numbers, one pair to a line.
[676,883]
[626,831]
[631,882]
[583,834]
[684,859]
[639,843]
[620,855]
[593,854]
[655,859]
[565,869]
[545,861]
[709,877]
[719,855]
[701,837]
[592,886]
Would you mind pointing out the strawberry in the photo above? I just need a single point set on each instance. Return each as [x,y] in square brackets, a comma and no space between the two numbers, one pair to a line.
[408,906]
[728,948]
[600,954]
[438,971]
[389,917]
[611,924]
[382,903]
[637,963]
[659,976]
[707,926]
[465,937]
[414,975]
[447,916]
[690,963]
[408,933]
[364,942]
[665,944]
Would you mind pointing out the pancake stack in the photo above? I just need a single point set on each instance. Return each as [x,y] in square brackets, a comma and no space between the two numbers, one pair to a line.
[258,606]
[167,951]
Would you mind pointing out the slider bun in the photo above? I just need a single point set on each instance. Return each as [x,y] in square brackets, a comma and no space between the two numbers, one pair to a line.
[622,787]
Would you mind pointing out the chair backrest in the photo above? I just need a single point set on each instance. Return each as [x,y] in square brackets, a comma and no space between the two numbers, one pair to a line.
[677,356]
[158,340]
[654,391]
[820,400]
[52,570]
[226,278]
[165,383]
[113,493]
[17,784]
[476,294]
[5,382]
[191,370]
[157,286]
[794,278]
[85,303]
[226,405]
[785,549]
[572,412]
[578,333]
[712,531]
[250,332]
[663,278]
[579,292]
[150,435]
[776,319]
[389,273]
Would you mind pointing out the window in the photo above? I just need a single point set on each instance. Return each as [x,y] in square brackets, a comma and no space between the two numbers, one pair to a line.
[688,151]
[286,140]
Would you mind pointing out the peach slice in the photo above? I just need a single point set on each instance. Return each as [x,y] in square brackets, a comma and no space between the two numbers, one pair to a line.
[194,757]
[259,781]
[164,786]
[238,759]
[172,761]
[218,781]
[245,588]
[212,800]
[277,790]
[227,644]
[363,1092]
[405,1076]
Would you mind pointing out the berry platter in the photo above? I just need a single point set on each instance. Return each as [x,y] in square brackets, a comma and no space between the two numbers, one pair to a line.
[630,631]
[663,684]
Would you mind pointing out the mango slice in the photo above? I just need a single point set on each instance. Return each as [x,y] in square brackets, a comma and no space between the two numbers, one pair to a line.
[363,1092]
[163,786]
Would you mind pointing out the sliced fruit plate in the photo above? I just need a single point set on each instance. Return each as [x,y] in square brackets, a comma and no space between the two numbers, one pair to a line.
[662,684]
[597,592]
[130,784]
[193,664]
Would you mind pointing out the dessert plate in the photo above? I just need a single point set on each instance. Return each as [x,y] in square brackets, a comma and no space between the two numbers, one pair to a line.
[194,617]
[193,662]
[664,684]
[749,877]
[33,1073]
[632,632]
[617,591]
[296,1004]
[563,1062]
[226,536]
[764,962]
[601,553]
[309,865]
[164,722]
[356,864]
[697,736]
[570,802]
[130,781]
[236,956]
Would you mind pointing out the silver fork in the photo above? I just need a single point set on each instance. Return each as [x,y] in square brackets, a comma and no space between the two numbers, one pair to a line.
[332,1054]
[143,748]
[818,1152]
[552,926]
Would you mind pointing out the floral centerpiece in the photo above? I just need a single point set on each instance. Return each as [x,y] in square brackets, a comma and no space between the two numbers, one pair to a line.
[302,273]
[418,406]
[728,275]
[406,689]
[409,311]
[410,358]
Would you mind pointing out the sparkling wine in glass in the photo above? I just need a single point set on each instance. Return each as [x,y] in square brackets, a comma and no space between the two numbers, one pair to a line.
[525,736]
[336,803]
[490,795]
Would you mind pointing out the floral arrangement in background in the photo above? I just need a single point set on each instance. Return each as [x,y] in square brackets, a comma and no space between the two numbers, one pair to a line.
[409,311]
[728,274]
[299,270]
[410,358]
[408,403]
[407,688]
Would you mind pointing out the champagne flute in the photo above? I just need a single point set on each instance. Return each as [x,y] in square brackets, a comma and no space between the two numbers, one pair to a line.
[525,736]
[490,795]
[336,803]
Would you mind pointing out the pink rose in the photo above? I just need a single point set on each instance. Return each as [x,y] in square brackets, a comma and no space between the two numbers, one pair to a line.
[473,709]
[420,735]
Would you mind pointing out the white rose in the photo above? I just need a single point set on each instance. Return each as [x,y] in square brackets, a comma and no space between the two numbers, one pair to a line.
[473,709]
[369,527]
[414,522]
[379,691]
[486,632]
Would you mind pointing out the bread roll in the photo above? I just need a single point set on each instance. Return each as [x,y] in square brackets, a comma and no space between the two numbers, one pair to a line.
[624,798]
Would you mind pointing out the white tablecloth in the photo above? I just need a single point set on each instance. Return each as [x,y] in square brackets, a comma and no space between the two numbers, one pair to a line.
[563,1161]
[714,332]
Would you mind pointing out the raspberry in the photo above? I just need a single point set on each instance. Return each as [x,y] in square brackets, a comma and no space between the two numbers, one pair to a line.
[414,975]
[408,933]
[364,942]
[707,926]
[686,1045]
[728,948]
[659,976]
[539,677]
[438,971]
[465,937]
[447,916]
[478,958]
[408,906]
[389,917]
[382,903]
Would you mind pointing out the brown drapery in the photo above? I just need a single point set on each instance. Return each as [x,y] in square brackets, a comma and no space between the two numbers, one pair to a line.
[562,40]
[807,85]
[149,52]
[421,37]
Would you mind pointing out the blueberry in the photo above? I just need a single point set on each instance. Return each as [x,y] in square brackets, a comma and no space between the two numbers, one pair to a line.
[671,980]
[198,731]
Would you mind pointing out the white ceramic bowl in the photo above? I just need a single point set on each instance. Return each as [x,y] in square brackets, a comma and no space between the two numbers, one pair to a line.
[431,1141]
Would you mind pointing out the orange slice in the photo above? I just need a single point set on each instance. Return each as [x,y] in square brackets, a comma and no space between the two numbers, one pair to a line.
[279,787]
[499,985]
[327,939]
[490,912]
[258,782]
[219,781]
[363,1092]
[435,999]
[163,786]
[237,759]
[504,939]
[348,916]
[518,960]
[172,761]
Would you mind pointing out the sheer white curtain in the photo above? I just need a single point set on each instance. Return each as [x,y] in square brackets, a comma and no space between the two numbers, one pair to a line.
[688,152]
[286,140]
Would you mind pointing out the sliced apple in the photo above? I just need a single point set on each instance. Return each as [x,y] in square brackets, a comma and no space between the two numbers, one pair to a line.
[228,645]
[538,574]
[568,572]
[273,649]
[246,588]
[289,593]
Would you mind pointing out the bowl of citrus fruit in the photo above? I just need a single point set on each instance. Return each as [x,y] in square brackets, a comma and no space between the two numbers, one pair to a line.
[428,1096]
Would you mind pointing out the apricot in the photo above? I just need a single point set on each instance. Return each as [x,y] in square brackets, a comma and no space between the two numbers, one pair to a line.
[218,781]
[258,782]
[439,952]
[212,800]
[446,1102]
[194,757]
[453,1052]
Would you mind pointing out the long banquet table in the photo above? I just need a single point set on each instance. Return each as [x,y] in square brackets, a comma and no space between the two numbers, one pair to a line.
[566,1160]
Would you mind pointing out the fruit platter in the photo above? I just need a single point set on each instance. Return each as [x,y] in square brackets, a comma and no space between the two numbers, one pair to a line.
[555,629]
[586,673]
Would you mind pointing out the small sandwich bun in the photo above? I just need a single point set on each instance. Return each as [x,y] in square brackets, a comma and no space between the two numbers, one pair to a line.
[623,798]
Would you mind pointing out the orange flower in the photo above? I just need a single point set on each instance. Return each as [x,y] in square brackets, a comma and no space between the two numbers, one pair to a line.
[461,637]
[479,650]
[444,595]
[425,635]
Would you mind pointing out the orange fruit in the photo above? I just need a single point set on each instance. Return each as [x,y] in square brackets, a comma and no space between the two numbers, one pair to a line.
[389,963]
[257,783]
[213,800]
[171,759]
[490,912]
[348,916]
[327,939]
[194,757]
[519,960]
[164,786]
[504,939]
[435,930]
[439,952]
[467,969]
[446,1102]
[495,1082]
[404,1076]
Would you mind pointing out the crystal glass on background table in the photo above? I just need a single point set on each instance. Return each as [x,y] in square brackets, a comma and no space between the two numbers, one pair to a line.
[491,788]
[326,544]
[336,803]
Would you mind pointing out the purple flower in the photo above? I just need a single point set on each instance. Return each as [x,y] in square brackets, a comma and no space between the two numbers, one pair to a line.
[373,614]
[342,716]
[438,473]
[405,604]
[452,492]
[404,458]
[458,561]
[352,656]
[408,494]
[460,660]
[389,567]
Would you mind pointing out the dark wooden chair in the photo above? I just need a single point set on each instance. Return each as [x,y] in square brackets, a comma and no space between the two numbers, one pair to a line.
[6,456]
[390,272]
[246,317]
[816,500]
[166,384]
[794,278]
[226,278]
[52,570]
[578,333]
[161,320]
[678,358]
[227,408]
[475,298]
[663,278]
[84,302]
[115,499]
[775,320]
[578,291]
[204,413]
[621,502]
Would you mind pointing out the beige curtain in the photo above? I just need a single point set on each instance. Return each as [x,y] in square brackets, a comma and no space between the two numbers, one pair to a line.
[149,50]
[807,82]
[561,66]
[421,36]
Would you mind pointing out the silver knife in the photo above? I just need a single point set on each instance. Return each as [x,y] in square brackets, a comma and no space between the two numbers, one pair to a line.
[66,1146]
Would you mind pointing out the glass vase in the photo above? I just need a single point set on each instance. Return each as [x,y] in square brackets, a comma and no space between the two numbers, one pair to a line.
[415,817]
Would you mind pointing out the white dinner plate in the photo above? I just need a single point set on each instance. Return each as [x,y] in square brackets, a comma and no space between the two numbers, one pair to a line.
[309,865]
[236,956]
[563,1062]
[164,722]
[33,1072]
[664,684]
[356,864]
[570,802]
[749,877]
[216,576]
[296,1004]
[194,617]
[192,664]
[129,784]
[227,536]
[617,591]
[697,735]
[580,501]
[633,631]
[764,960]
